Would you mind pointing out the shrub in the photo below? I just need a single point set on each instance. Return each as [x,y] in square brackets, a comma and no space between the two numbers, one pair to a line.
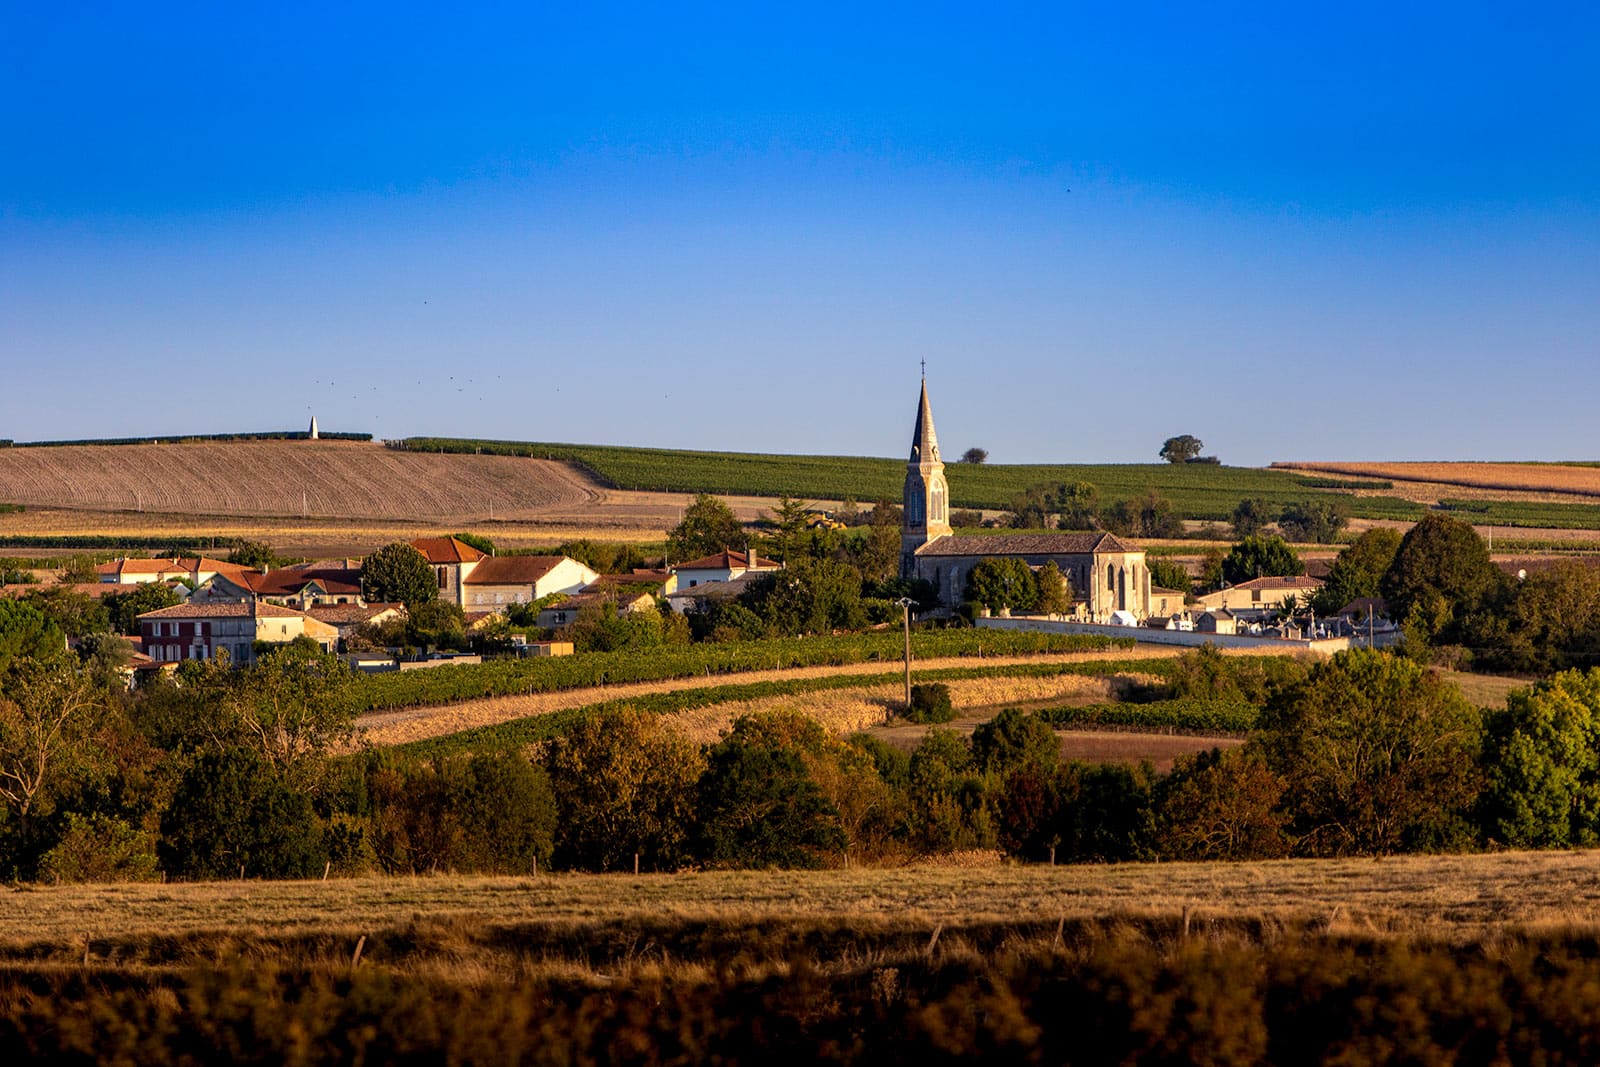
[930,703]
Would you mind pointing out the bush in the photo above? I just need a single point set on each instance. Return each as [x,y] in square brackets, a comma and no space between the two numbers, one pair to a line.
[930,703]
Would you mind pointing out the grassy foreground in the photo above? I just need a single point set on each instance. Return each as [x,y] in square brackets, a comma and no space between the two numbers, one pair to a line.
[1481,959]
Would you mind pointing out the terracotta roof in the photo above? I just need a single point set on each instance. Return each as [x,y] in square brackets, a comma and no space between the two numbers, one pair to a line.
[512,570]
[1298,581]
[224,610]
[1161,590]
[447,550]
[595,598]
[1031,544]
[350,614]
[288,580]
[717,590]
[727,559]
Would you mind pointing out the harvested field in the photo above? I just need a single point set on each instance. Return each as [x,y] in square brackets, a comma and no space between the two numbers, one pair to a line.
[417,724]
[1440,895]
[1541,481]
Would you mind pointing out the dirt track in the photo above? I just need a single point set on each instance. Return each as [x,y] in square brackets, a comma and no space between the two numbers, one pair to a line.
[416,724]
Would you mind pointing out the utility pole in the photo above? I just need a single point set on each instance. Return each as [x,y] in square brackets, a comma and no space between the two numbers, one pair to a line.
[905,603]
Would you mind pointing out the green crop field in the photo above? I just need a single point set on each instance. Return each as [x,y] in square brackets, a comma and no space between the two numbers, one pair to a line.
[1198,491]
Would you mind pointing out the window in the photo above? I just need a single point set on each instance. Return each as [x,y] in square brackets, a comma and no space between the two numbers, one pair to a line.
[936,511]
[440,572]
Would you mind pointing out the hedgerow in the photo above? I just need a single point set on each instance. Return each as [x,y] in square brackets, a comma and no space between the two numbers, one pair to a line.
[1181,713]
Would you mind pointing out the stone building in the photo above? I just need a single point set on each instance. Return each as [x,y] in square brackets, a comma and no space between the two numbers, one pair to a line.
[1107,573]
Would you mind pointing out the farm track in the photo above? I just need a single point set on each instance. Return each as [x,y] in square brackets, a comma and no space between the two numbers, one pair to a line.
[418,724]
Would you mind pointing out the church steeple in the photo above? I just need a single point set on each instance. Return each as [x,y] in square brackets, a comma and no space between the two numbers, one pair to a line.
[926,498]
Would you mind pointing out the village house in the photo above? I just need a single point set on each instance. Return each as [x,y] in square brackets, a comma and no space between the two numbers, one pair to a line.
[566,611]
[194,570]
[721,567]
[200,631]
[453,561]
[347,618]
[702,597]
[497,582]
[304,585]
[1260,595]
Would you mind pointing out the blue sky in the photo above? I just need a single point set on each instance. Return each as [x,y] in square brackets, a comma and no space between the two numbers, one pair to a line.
[1339,233]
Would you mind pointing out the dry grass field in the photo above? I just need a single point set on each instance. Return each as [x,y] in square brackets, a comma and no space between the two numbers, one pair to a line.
[1430,481]
[854,710]
[1441,895]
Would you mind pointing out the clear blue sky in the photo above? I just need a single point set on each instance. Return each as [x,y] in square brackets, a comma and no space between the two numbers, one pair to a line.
[1331,231]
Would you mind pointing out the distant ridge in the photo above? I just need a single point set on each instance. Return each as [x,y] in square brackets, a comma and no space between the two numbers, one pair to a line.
[193,438]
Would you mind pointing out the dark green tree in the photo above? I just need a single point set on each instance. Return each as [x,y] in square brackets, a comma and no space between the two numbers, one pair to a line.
[759,807]
[1252,516]
[1077,504]
[1181,449]
[1378,755]
[975,455]
[398,573]
[1261,556]
[1014,739]
[1001,582]
[231,814]
[1358,569]
[1441,573]
[257,555]
[789,520]
[1169,574]
[1055,592]
[708,526]
[810,596]
[1318,520]
[124,609]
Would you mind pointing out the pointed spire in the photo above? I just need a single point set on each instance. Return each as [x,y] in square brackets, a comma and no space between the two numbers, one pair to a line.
[924,441]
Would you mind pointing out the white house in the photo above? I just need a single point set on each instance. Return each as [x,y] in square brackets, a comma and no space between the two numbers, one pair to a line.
[722,567]
[498,581]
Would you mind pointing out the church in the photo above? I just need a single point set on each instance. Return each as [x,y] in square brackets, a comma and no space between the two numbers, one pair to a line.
[1107,574]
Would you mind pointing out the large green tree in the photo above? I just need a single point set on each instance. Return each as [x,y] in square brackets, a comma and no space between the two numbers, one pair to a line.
[624,783]
[1378,755]
[1252,516]
[1441,573]
[398,573]
[1318,520]
[809,596]
[1261,556]
[1181,449]
[1542,762]
[759,806]
[1003,583]
[124,609]
[708,526]
[1358,570]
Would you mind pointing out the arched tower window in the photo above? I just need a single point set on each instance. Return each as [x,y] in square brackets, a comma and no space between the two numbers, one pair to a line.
[936,502]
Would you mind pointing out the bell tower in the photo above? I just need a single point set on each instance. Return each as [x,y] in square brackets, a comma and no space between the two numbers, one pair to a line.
[926,498]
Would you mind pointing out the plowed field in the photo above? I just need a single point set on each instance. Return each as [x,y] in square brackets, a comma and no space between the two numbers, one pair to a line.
[312,479]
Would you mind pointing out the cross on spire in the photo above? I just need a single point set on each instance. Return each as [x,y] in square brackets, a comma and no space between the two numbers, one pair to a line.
[924,368]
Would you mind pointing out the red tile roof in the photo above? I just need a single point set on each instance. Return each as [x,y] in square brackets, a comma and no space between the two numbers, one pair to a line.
[447,550]
[224,610]
[512,570]
[1299,581]
[727,559]
[350,614]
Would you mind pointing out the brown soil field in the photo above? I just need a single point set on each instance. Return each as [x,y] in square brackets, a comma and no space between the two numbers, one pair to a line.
[854,710]
[1443,896]
[321,497]
[1427,482]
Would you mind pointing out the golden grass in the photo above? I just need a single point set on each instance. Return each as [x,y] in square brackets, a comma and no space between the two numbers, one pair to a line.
[1541,481]
[1484,690]
[1439,895]
[416,724]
